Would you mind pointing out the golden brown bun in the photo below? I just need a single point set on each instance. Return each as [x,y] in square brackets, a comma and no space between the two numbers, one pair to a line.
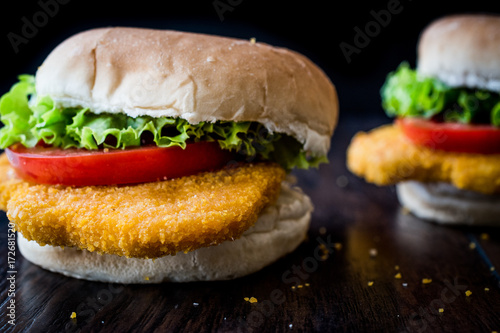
[193,76]
[279,230]
[462,50]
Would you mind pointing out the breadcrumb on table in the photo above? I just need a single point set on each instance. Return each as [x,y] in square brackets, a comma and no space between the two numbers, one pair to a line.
[426,281]
[251,299]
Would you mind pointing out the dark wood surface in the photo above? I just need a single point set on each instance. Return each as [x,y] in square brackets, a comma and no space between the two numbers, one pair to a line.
[353,220]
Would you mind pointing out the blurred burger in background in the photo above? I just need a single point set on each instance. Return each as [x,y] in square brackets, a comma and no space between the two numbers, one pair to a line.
[443,149]
[142,156]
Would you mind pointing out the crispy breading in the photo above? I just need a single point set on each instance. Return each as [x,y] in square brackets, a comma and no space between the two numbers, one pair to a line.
[146,220]
[8,181]
[385,156]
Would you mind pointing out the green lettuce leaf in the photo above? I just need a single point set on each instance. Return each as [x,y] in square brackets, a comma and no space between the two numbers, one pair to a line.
[29,119]
[407,94]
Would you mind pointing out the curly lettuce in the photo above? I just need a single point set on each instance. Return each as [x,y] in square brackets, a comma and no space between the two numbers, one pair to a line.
[29,119]
[406,94]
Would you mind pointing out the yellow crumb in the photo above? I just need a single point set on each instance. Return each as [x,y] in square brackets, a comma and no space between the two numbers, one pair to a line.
[485,236]
[426,281]
[293,287]
[146,278]
[486,289]
[337,246]
[441,310]
[307,284]
[250,299]
[324,252]
[299,286]
[468,293]
[492,268]
[396,267]
[146,220]
[253,40]
[398,276]
[472,246]
[73,315]
[370,283]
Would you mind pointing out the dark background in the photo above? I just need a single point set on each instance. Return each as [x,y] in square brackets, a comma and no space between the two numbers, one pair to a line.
[355,214]
[314,28]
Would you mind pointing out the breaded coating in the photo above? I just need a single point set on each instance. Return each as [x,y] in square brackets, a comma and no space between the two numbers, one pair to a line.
[8,181]
[385,156]
[147,220]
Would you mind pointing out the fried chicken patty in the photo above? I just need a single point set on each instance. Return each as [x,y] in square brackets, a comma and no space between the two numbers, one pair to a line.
[146,220]
[384,156]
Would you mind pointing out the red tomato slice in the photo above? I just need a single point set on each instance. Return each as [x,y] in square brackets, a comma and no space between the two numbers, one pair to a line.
[80,167]
[455,137]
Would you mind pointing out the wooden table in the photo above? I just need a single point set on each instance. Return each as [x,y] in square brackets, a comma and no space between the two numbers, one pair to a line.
[361,270]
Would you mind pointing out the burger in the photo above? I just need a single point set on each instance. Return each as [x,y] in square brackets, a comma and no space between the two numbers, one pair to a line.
[443,149]
[143,156]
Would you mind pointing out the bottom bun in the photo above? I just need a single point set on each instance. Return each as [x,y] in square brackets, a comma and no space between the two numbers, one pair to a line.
[446,204]
[279,230]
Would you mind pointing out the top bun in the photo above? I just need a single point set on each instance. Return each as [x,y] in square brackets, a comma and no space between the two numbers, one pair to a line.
[192,76]
[462,50]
